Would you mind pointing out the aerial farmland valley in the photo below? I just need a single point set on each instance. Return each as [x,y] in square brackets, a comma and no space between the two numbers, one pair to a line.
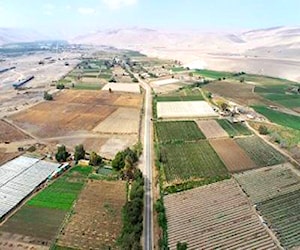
[172,137]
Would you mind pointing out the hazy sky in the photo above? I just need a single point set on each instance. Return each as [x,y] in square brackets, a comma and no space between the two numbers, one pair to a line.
[82,16]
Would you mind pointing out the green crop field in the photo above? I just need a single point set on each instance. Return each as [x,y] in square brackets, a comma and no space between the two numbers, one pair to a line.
[286,100]
[280,118]
[62,193]
[191,160]
[87,86]
[234,129]
[212,74]
[282,214]
[178,131]
[178,69]
[260,152]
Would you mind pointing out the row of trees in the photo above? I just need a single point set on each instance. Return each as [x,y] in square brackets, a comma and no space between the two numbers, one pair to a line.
[132,215]
[62,155]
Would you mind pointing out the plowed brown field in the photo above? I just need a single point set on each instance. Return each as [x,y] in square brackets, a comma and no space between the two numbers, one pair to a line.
[234,158]
[8,133]
[96,222]
[211,129]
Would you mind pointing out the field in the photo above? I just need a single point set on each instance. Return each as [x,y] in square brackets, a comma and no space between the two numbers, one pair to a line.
[212,74]
[186,109]
[98,226]
[185,94]
[72,111]
[260,152]
[217,216]
[282,215]
[172,131]
[239,92]
[4,157]
[234,158]
[190,161]
[123,87]
[39,220]
[280,118]
[234,129]
[8,133]
[211,129]
[267,183]
[122,121]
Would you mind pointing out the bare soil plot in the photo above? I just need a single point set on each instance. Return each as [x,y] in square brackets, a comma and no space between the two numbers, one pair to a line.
[217,216]
[234,158]
[115,144]
[122,121]
[71,111]
[9,133]
[129,100]
[267,183]
[123,87]
[211,129]
[184,109]
[96,222]
[4,157]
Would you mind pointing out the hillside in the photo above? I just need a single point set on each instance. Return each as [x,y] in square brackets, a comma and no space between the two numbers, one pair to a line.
[13,35]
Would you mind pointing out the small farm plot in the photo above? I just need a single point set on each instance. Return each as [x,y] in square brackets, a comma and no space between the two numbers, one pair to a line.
[195,160]
[39,220]
[101,222]
[260,152]
[267,183]
[165,82]
[282,215]
[123,87]
[234,129]
[185,109]
[8,133]
[122,121]
[217,216]
[184,94]
[232,155]
[171,131]
[212,129]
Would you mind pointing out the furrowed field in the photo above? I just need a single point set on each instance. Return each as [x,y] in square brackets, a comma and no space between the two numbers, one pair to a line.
[178,131]
[189,161]
[260,152]
[282,215]
[186,94]
[234,129]
[38,221]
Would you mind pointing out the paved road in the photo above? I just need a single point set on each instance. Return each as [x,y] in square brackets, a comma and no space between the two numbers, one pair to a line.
[148,222]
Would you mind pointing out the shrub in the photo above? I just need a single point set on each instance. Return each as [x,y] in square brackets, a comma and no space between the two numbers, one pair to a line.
[263,130]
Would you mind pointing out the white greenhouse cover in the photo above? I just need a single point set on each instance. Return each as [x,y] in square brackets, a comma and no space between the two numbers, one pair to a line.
[19,177]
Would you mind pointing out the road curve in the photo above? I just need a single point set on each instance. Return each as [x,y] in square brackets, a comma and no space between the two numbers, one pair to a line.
[147,151]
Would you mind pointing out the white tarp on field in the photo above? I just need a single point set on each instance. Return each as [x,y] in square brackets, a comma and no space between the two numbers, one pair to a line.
[123,87]
[165,81]
[19,177]
[184,109]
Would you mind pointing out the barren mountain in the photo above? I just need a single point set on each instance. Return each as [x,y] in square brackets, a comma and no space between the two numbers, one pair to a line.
[274,51]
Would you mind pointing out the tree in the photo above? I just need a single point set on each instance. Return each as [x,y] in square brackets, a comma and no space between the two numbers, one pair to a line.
[242,79]
[95,159]
[224,106]
[181,246]
[48,96]
[263,130]
[79,152]
[61,154]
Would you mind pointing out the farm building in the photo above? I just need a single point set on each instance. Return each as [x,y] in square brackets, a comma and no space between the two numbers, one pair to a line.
[19,178]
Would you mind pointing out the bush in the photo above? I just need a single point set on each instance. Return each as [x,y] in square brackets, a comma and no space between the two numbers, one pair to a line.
[79,152]
[95,159]
[47,96]
[60,86]
[263,130]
